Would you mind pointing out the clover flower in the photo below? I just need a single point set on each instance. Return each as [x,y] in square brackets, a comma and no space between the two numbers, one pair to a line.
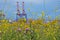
[19,29]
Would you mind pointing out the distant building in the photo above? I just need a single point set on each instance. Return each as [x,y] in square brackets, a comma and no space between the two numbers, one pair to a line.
[2,16]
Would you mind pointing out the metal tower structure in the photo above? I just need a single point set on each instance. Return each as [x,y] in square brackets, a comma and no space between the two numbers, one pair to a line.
[23,11]
[18,11]
[23,14]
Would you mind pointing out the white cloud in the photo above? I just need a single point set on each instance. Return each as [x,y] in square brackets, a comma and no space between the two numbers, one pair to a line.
[34,1]
[30,1]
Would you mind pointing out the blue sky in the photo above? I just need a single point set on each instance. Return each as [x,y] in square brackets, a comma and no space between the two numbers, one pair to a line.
[35,6]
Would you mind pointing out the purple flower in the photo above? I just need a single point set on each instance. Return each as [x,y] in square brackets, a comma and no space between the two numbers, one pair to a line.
[27,29]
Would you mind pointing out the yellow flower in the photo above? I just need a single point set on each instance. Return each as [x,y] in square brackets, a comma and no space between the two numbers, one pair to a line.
[21,25]
[54,22]
[37,30]
[33,22]
[26,26]
[0,31]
